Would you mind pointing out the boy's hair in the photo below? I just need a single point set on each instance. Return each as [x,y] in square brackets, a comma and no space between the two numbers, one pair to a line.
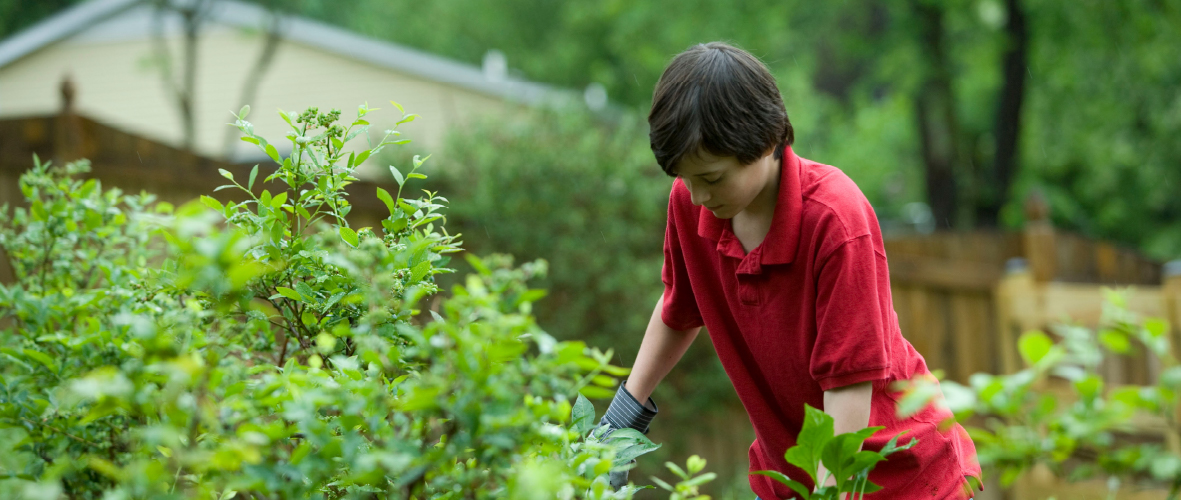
[719,98]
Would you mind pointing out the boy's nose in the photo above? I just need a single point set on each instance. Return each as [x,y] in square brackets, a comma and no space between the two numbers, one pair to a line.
[698,196]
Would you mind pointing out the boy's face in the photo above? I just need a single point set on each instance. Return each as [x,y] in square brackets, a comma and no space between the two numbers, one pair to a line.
[725,186]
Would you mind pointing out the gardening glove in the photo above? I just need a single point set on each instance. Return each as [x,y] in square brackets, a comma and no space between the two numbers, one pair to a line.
[625,411]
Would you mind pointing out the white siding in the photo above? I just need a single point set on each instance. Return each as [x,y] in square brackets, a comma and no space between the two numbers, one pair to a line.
[115,85]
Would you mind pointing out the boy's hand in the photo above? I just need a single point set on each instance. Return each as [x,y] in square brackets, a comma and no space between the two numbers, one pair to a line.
[625,411]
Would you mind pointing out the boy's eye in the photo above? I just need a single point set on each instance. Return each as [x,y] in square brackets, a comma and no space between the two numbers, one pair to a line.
[714,181]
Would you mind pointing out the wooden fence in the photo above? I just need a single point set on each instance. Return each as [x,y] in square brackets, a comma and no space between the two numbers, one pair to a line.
[133,163]
[963,299]
[945,288]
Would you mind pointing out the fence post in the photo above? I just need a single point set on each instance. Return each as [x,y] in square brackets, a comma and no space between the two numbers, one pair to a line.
[1171,295]
[1016,303]
[1040,246]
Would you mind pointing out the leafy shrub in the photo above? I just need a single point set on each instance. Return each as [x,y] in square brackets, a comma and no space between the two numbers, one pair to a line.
[1057,411]
[266,349]
[586,195]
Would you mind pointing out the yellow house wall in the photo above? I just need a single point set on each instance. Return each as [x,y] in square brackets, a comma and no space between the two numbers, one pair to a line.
[116,85]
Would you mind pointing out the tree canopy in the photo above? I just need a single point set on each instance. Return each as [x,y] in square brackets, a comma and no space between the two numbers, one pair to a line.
[966,105]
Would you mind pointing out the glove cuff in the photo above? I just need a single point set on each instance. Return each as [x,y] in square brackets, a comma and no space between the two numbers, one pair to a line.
[626,412]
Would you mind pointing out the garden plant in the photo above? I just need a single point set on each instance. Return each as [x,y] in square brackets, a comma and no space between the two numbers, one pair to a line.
[842,457]
[266,349]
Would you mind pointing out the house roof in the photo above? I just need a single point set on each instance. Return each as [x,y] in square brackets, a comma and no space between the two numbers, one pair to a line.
[87,15]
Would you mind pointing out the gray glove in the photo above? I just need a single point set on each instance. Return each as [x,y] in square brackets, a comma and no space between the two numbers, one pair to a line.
[625,411]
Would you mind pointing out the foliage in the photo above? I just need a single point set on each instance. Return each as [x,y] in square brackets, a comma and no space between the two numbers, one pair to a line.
[583,194]
[841,456]
[1058,411]
[266,349]
[587,458]
[1094,129]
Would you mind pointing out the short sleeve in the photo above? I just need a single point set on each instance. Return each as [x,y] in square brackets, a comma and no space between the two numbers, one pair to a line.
[851,309]
[680,310]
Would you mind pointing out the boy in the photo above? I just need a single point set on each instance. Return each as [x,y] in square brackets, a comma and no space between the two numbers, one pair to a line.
[782,259]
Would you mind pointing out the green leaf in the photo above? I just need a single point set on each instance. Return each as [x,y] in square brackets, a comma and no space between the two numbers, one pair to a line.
[253,174]
[892,445]
[419,271]
[273,153]
[300,452]
[289,293]
[699,480]
[583,415]
[385,197]
[660,482]
[305,291]
[591,391]
[816,432]
[676,469]
[279,199]
[212,203]
[839,453]
[629,453]
[397,175]
[415,175]
[244,112]
[1115,341]
[349,236]
[225,173]
[1034,346]
[399,106]
[795,486]
[1089,387]
[1156,327]
[362,157]
[862,461]
[42,358]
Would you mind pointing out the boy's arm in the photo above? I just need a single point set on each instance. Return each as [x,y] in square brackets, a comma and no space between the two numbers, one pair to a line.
[660,350]
[849,408]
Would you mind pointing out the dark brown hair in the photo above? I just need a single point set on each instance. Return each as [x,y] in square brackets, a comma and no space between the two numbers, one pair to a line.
[719,98]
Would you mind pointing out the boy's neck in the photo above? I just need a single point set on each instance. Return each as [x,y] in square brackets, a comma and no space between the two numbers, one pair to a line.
[763,206]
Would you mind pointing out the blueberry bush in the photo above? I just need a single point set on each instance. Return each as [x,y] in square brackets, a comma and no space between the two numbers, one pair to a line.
[266,349]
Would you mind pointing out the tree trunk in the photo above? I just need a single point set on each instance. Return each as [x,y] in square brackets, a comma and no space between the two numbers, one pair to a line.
[250,86]
[937,124]
[1008,116]
[183,91]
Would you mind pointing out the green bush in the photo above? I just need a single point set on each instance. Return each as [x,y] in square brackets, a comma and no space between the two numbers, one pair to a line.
[582,193]
[266,349]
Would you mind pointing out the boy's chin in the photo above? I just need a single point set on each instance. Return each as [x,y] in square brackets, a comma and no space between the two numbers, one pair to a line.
[722,213]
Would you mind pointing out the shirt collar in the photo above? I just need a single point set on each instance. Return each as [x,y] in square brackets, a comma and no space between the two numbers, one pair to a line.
[782,240]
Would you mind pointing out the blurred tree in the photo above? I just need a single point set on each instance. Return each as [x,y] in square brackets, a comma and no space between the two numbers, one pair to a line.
[965,104]
[16,15]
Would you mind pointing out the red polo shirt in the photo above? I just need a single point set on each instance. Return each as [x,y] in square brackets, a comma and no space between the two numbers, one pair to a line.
[806,311]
